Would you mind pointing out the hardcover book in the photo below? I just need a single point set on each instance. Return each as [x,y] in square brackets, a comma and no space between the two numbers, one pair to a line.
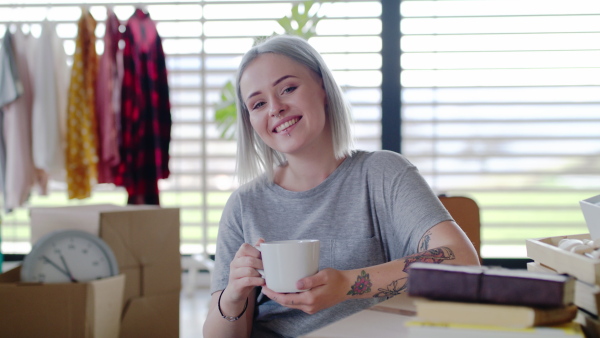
[490,285]
[420,329]
[516,316]
[587,296]
[590,324]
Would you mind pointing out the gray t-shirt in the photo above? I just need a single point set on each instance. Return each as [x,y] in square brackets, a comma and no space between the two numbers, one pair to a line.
[374,208]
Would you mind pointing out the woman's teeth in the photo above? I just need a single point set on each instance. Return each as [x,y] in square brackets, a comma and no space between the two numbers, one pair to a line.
[286,125]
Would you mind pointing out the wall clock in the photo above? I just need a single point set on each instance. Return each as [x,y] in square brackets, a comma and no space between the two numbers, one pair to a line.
[65,256]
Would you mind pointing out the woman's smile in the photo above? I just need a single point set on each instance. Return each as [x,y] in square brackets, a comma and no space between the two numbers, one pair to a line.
[285,126]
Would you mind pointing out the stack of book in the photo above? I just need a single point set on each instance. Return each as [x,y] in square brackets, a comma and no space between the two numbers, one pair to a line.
[587,299]
[473,301]
[550,255]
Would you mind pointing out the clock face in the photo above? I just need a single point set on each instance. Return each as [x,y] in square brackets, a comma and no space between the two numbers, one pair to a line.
[68,256]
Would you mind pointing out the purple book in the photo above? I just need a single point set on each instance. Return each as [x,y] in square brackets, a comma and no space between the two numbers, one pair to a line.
[490,285]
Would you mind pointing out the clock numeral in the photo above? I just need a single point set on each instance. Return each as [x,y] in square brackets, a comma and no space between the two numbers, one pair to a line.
[41,277]
[95,263]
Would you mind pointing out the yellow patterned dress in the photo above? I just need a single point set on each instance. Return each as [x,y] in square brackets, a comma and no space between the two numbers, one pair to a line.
[81,151]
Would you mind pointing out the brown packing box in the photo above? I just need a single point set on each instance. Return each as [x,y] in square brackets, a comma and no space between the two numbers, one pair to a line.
[145,240]
[546,251]
[60,310]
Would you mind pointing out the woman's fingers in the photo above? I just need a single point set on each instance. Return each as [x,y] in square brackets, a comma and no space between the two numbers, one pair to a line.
[244,271]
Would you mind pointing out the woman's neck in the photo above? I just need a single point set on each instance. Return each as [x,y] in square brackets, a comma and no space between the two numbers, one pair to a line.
[306,172]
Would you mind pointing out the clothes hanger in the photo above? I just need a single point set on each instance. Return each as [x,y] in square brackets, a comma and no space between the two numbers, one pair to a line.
[143,8]
[13,26]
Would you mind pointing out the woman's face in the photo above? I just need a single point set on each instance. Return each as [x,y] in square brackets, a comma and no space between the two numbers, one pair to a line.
[286,102]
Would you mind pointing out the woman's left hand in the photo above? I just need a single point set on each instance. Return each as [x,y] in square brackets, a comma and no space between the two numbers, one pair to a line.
[326,290]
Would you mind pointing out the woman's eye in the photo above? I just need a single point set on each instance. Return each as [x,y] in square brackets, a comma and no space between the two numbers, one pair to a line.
[289,89]
[257,105]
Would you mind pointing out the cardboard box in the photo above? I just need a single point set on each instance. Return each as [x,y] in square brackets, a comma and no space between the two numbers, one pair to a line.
[91,309]
[145,241]
[546,252]
[591,212]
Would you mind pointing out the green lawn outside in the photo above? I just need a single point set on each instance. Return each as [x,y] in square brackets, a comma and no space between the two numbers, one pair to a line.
[504,221]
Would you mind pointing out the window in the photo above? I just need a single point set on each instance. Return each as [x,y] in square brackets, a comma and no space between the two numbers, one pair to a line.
[204,42]
[501,103]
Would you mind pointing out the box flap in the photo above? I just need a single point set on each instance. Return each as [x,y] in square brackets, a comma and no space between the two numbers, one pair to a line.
[44,310]
[84,218]
[11,276]
[106,311]
[60,310]
[146,245]
[129,232]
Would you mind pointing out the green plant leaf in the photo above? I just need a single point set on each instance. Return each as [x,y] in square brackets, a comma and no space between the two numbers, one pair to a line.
[286,24]
[226,113]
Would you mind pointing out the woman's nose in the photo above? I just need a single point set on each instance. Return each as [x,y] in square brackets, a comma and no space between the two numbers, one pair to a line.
[277,107]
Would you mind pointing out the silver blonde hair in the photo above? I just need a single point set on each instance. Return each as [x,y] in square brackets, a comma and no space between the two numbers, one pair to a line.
[253,155]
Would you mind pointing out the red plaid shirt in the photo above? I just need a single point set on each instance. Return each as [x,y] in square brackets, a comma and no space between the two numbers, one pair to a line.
[145,112]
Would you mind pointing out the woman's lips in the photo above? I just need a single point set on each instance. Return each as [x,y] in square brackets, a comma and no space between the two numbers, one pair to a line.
[286,124]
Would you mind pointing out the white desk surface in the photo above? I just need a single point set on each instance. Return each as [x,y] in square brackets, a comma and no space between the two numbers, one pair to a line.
[382,321]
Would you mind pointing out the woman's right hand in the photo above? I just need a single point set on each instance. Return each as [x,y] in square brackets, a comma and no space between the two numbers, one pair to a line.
[243,276]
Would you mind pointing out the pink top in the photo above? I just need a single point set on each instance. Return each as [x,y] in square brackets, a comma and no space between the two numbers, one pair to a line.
[108,101]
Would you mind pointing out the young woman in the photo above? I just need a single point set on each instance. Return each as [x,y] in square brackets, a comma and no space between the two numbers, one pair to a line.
[372,211]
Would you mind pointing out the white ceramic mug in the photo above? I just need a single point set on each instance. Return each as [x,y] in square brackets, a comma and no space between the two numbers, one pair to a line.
[286,262]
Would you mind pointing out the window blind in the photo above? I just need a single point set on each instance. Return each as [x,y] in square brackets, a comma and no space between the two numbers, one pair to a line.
[204,42]
[501,103]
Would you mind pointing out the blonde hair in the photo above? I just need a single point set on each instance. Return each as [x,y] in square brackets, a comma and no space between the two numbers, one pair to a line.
[255,157]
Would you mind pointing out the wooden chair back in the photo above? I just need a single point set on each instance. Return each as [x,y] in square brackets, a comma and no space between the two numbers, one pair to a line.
[465,212]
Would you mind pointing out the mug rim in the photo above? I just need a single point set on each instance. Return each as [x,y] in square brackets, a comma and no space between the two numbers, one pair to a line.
[291,241]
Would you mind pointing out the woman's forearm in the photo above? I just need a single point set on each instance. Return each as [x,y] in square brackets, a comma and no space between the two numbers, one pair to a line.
[391,279]
[216,326]
[443,244]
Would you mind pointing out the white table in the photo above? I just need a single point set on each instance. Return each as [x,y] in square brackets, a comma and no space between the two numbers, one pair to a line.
[382,321]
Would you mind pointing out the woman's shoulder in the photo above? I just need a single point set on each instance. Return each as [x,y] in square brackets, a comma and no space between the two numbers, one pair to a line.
[256,186]
[382,159]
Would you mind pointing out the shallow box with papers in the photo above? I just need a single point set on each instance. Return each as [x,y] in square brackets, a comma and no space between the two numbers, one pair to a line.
[546,252]
[86,310]
[145,240]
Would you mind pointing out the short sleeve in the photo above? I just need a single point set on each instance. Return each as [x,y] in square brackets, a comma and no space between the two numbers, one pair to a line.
[229,240]
[407,206]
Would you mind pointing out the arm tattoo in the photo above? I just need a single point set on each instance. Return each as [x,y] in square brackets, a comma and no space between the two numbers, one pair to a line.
[362,285]
[363,281]
[392,289]
[435,255]
[425,241]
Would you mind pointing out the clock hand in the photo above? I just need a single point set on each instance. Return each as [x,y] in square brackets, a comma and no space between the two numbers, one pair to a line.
[56,266]
[69,274]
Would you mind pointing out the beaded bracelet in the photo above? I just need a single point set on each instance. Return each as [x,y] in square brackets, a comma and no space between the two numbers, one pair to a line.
[230,318]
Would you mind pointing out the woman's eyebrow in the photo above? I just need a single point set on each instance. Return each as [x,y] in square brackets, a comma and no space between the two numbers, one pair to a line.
[281,79]
[273,85]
